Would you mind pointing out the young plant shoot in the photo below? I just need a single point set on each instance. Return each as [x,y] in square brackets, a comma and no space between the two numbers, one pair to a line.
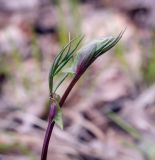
[84,58]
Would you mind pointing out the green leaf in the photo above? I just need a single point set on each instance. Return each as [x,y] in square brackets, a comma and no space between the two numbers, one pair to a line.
[58,117]
[90,52]
[84,55]
[62,59]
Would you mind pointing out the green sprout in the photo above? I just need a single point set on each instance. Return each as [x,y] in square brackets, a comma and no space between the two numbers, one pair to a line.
[84,58]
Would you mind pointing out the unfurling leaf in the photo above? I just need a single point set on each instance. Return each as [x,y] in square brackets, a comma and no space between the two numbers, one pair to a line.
[84,55]
[88,54]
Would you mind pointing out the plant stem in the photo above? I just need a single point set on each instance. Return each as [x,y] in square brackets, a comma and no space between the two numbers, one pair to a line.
[51,117]
[69,88]
[46,140]
[48,133]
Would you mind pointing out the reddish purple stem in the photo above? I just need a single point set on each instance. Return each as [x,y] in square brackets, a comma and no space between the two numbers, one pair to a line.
[69,88]
[48,133]
[51,117]
[47,140]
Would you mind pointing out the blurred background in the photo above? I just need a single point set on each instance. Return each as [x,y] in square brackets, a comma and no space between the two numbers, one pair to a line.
[110,114]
